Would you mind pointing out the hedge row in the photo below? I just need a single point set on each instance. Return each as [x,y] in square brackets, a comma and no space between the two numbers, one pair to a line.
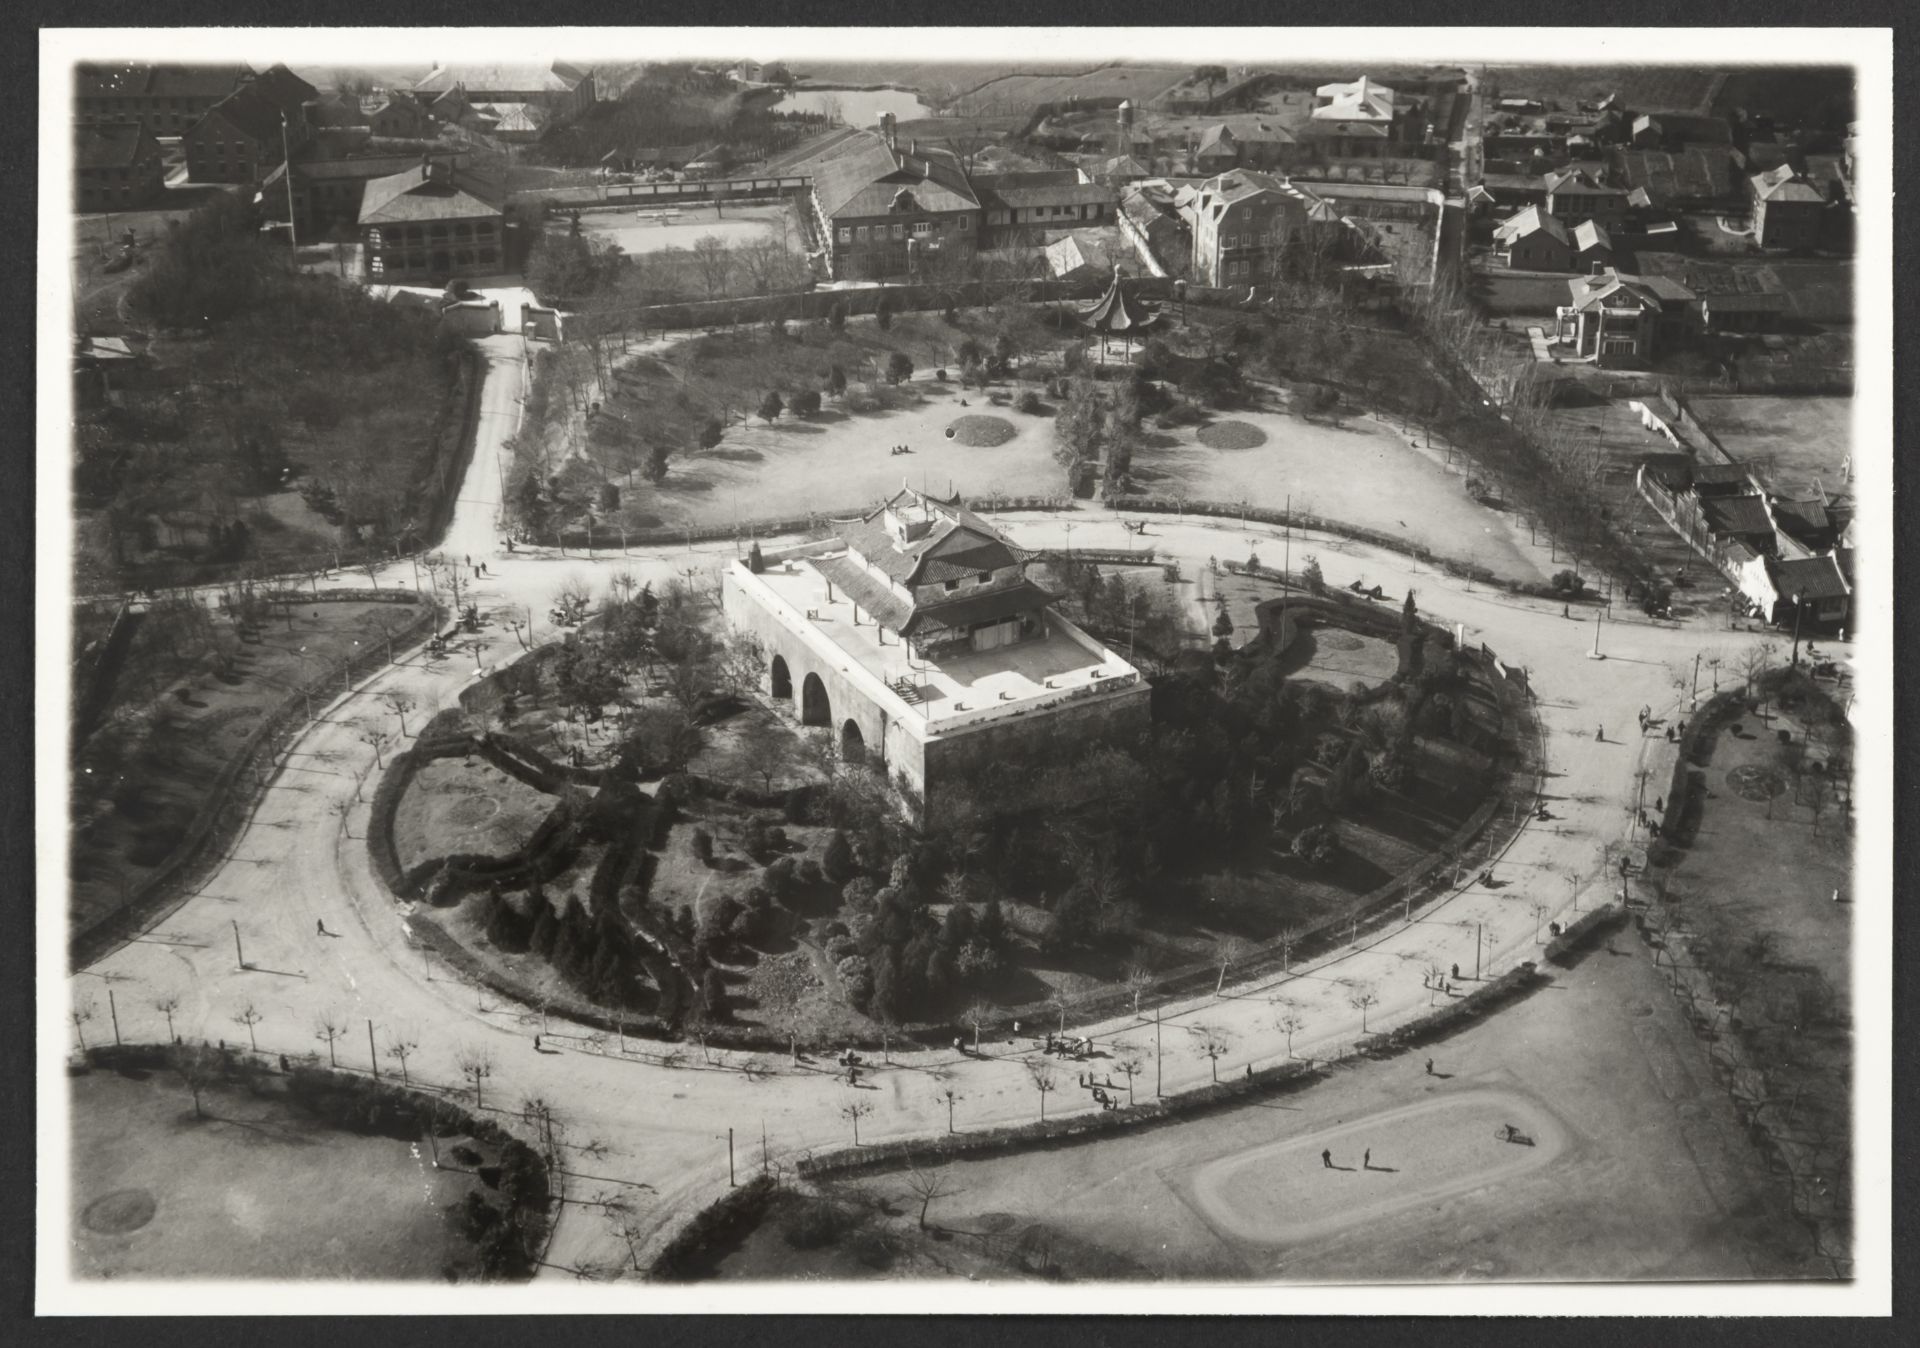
[1682,805]
[512,746]
[1087,1127]
[735,1209]
[1560,949]
[774,527]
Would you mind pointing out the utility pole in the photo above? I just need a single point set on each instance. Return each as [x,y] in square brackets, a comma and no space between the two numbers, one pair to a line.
[1477,929]
[238,957]
[114,1012]
[1594,654]
[286,167]
[1696,676]
[732,1179]
[1156,1052]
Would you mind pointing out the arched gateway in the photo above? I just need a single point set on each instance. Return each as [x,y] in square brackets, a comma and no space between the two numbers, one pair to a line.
[782,679]
[853,744]
[814,707]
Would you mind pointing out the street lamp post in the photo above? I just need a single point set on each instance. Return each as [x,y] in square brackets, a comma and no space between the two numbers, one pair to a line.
[1796,632]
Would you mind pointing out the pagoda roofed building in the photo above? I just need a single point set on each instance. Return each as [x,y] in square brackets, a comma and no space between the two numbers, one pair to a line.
[1118,314]
[917,637]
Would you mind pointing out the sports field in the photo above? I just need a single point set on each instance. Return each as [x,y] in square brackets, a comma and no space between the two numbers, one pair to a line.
[654,229]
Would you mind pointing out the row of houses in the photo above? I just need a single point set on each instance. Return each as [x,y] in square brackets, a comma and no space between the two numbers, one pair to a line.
[1787,559]
[883,207]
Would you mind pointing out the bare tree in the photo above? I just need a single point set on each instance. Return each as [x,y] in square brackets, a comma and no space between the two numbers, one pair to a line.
[946,1093]
[1041,1072]
[1289,938]
[1212,1042]
[82,1013]
[400,1050]
[166,1006]
[1289,1022]
[1756,660]
[331,1030]
[476,1065]
[1362,998]
[974,1017]
[926,1186]
[250,1016]
[1130,1064]
[401,703]
[198,1068]
[1229,951]
[1139,979]
[854,1111]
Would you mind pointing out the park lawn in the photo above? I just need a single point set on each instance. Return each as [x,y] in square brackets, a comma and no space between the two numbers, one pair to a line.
[143,775]
[1762,865]
[666,398]
[258,1189]
[456,805]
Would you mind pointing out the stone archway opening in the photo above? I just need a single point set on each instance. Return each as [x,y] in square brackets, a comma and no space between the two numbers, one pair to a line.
[814,707]
[853,744]
[782,679]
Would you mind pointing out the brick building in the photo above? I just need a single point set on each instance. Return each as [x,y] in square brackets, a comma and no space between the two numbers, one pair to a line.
[429,224]
[117,166]
[165,99]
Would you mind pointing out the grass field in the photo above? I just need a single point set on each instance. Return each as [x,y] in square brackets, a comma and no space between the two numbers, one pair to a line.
[1794,442]
[453,805]
[140,778]
[257,1189]
[1653,1177]
[1011,92]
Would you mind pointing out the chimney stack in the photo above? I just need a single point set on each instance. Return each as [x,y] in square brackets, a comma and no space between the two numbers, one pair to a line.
[887,129]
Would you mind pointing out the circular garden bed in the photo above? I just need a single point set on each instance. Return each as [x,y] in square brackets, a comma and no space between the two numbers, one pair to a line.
[1232,435]
[978,431]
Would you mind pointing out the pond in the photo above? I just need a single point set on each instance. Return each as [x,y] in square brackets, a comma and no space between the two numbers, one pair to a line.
[856,107]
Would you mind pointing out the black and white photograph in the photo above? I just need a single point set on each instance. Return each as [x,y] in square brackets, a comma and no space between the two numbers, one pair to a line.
[1166,669]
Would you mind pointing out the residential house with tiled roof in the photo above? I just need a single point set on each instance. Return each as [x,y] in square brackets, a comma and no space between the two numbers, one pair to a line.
[117,166]
[1084,253]
[429,224]
[1574,194]
[1150,220]
[1022,207]
[1534,240]
[1592,247]
[1788,210]
[1241,223]
[328,188]
[392,114]
[166,99]
[887,210]
[1618,319]
[1354,119]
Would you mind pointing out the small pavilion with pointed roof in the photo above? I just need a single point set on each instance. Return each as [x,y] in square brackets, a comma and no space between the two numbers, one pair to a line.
[1116,314]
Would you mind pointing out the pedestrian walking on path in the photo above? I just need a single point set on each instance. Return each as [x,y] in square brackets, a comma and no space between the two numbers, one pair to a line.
[1366,1159]
[536,1043]
[1429,1066]
[1600,734]
[1326,1157]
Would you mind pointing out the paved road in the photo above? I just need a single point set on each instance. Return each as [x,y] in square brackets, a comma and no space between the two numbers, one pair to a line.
[300,865]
